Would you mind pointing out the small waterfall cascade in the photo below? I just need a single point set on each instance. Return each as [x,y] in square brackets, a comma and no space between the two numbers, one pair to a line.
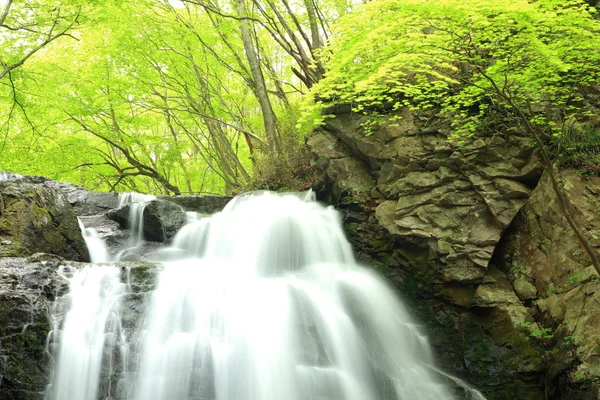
[8,176]
[262,301]
[137,203]
[89,343]
[96,246]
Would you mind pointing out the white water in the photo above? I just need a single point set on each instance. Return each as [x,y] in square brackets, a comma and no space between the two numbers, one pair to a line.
[7,176]
[262,302]
[137,203]
[89,333]
[96,246]
[133,197]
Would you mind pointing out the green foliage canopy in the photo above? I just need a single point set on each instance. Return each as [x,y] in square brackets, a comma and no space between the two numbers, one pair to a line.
[537,61]
[153,96]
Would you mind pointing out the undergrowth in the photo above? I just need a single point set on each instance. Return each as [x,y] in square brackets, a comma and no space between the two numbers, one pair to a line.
[579,148]
[289,171]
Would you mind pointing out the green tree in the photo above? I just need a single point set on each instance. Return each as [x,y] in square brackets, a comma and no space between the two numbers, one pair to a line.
[160,96]
[533,65]
[26,28]
[118,93]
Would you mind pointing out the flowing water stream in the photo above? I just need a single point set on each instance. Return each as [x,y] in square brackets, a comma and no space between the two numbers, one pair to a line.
[262,301]
[137,203]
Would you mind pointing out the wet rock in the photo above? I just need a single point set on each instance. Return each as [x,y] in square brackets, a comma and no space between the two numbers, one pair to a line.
[108,230]
[162,219]
[119,215]
[26,292]
[9,176]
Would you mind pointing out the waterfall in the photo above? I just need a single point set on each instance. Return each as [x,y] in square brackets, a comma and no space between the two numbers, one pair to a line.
[137,203]
[8,176]
[95,245]
[263,301]
[90,332]
[133,197]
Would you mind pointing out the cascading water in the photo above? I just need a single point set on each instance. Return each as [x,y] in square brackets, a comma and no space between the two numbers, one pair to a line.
[137,203]
[96,246]
[264,301]
[90,331]
[8,176]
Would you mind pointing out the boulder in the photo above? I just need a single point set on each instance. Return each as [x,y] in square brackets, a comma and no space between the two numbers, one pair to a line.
[162,219]
[199,204]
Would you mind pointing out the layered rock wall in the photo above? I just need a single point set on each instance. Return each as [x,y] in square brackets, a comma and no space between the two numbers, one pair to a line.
[436,217]
[552,275]
[27,289]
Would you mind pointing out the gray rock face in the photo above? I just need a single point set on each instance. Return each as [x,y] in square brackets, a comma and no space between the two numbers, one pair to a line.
[35,218]
[549,269]
[430,214]
[85,202]
[162,220]
[455,200]
[119,215]
[199,204]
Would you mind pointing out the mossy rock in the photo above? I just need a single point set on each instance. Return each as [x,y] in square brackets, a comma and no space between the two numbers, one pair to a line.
[36,219]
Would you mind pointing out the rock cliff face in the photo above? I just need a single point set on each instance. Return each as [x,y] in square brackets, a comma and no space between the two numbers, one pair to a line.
[27,287]
[555,280]
[445,222]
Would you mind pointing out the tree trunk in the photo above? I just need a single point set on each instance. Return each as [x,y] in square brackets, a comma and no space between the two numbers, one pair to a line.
[260,88]
[314,24]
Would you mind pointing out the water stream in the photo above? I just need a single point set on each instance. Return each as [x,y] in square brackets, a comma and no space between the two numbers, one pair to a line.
[96,246]
[91,329]
[262,301]
[8,176]
[137,203]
